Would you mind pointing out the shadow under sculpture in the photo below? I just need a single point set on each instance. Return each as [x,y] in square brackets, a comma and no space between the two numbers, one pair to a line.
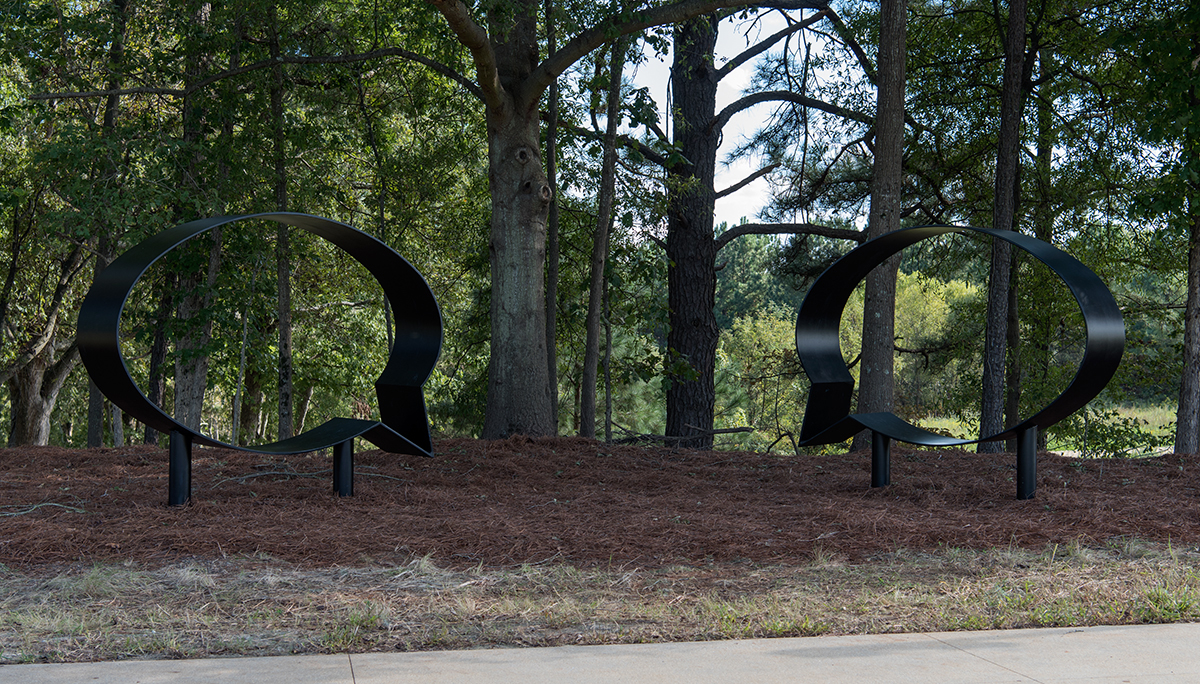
[827,418]
[403,426]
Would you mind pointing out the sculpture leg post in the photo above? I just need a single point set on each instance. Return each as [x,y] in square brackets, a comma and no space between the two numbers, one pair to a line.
[343,468]
[881,460]
[1027,463]
[179,470]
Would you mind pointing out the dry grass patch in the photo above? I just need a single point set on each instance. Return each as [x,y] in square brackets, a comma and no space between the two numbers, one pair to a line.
[260,606]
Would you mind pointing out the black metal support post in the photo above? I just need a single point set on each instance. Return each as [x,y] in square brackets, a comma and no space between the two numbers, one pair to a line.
[1027,463]
[343,468]
[179,470]
[881,459]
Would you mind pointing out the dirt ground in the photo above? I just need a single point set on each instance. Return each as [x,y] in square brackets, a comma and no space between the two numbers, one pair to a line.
[504,503]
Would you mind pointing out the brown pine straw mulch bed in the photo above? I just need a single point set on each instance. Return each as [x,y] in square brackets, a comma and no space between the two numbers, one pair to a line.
[503,503]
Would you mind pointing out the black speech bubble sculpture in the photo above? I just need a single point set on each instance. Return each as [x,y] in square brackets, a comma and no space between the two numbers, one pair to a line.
[827,418]
[403,426]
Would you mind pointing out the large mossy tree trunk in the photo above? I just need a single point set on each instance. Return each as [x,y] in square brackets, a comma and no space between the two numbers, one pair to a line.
[518,385]
[691,251]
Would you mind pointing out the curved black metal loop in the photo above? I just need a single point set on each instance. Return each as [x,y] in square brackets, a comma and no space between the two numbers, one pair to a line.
[403,426]
[827,418]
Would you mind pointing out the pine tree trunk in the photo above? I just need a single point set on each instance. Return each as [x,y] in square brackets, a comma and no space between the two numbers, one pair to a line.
[283,259]
[876,365]
[991,419]
[691,250]
[1187,416]
[1012,377]
[552,247]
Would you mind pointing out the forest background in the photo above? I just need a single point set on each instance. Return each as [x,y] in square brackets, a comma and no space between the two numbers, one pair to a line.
[493,138]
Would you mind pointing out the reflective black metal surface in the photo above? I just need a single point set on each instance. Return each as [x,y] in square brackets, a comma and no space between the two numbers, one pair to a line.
[827,418]
[403,426]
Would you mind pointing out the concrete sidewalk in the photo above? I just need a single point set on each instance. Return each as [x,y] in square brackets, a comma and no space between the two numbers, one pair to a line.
[1096,655]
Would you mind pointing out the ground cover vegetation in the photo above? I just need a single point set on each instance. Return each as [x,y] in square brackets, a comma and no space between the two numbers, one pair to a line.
[525,542]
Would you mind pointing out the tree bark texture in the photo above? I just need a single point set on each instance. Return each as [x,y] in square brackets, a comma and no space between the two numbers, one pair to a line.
[552,247]
[691,250]
[604,221]
[1012,375]
[95,413]
[1187,417]
[95,416]
[155,388]
[991,415]
[191,355]
[250,417]
[36,378]
[283,258]
[877,363]
[518,400]
[33,390]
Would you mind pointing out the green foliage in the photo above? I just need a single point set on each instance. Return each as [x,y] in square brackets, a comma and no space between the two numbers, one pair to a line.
[399,150]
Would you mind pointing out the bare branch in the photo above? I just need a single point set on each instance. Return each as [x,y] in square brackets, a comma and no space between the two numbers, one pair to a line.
[767,44]
[788,229]
[747,180]
[631,22]
[787,96]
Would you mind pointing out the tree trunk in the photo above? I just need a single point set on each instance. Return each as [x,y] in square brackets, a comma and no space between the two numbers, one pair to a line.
[608,348]
[240,382]
[191,358]
[518,399]
[33,390]
[252,400]
[991,414]
[691,250]
[876,366]
[283,259]
[95,416]
[305,403]
[95,413]
[1012,378]
[1043,218]
[1187,416]
[155,390]
[118,427]
[604,212]
[552,248]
